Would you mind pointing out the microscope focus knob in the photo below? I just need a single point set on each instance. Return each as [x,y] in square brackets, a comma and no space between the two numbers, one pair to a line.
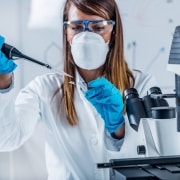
[141,149]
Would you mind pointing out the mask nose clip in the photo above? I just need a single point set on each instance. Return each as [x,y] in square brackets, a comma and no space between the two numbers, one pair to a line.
[86,28]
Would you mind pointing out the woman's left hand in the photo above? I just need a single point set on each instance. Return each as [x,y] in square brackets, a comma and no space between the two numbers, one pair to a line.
[108,101]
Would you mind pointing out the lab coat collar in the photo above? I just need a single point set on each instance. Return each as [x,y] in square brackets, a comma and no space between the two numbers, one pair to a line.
[80,82]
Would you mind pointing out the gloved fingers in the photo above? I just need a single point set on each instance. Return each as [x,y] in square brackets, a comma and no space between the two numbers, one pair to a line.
[115,124]
[103,90]
[1,41]
[107,99]
[108,111]
[113,112]
[113,99]
[99,82]
[6,65]
[93,92]
[115,127]
[113,120]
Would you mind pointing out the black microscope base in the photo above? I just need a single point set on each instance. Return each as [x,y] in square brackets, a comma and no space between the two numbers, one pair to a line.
[151,168]
[147,168]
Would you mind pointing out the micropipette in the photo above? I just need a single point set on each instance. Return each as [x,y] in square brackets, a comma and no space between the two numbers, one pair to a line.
[12,53]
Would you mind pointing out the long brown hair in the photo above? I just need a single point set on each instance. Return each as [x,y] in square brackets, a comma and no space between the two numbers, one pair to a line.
[115,67]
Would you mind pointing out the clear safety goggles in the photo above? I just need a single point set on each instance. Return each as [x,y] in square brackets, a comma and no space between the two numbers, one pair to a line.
[100,27]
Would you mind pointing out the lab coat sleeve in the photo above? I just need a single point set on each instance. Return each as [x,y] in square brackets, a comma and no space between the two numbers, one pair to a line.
[18,116]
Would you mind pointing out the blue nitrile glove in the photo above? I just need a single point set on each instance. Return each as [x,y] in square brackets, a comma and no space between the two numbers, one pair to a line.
[107,100]
[6,65]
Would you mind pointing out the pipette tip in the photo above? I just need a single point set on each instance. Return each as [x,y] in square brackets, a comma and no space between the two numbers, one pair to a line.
[48,66]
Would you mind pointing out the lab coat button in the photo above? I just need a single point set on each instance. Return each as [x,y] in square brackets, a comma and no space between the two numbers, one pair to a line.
[94,141]
[97,176]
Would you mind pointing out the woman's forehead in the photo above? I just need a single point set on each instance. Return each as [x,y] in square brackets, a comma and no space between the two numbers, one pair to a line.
[75,14]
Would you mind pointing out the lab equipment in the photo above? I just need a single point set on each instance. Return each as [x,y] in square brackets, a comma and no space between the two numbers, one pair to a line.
[12,53]
[151,168]
[158,137]
[174,66]
[138,108]
[107,100]
[6,65]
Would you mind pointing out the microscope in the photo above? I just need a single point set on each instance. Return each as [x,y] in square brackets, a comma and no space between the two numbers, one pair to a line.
[159,129]
[156,127]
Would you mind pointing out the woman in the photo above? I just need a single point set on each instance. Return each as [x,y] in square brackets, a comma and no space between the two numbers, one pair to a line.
[83,114]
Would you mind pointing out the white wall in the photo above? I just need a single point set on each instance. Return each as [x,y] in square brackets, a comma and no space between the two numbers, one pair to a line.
[148,29]
[149,26]
[28,162]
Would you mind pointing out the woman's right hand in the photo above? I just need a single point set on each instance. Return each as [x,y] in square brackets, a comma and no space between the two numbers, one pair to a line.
[7,66]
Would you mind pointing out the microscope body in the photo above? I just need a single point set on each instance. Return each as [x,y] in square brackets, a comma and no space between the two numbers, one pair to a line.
[152,125]
[151,147]
[158,137]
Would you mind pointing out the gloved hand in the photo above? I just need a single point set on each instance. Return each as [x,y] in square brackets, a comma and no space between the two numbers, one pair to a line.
[107,100]
[6,65]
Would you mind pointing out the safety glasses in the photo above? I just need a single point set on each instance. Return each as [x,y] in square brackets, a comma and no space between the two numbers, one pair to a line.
[100,27]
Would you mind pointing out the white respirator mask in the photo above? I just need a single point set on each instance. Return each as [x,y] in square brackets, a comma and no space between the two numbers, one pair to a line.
[89,50]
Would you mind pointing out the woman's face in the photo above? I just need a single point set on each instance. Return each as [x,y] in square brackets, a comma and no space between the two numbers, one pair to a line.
[75,14]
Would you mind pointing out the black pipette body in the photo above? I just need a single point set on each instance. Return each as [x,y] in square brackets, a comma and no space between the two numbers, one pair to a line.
[12,52]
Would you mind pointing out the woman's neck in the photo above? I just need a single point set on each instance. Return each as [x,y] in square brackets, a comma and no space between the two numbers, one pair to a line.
[89,75]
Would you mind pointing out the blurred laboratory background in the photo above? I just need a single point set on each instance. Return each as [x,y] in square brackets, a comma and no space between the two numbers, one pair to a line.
[35,28]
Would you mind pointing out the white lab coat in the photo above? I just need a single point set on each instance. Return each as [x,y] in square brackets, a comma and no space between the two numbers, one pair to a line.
[71,152]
